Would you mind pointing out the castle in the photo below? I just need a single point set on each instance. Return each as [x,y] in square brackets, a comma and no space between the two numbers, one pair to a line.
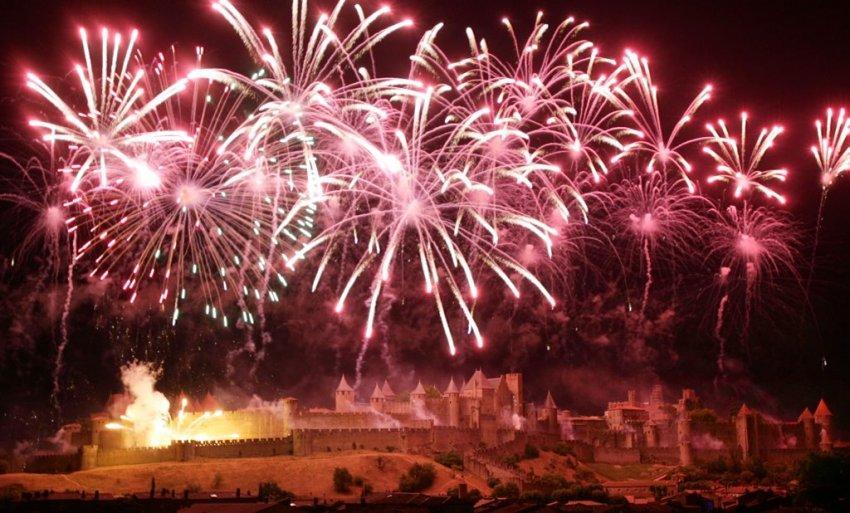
[477,414]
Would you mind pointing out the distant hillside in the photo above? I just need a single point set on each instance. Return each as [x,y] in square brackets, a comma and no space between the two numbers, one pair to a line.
[304,476]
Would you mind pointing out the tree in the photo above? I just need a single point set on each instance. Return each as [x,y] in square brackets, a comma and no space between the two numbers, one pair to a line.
[270,491]
[342,480]
[506,491]
[825,480]
[418,478]
[531,452]
[449,459]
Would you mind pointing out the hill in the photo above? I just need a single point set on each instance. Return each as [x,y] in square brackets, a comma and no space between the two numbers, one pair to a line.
[304,476]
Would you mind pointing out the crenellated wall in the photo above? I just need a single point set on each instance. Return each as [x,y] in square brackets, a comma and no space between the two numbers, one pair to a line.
[309,441]
[136,455]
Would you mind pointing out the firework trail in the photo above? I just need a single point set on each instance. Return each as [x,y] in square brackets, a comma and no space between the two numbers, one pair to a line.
[757,242]
[66,314]
[38,191]
[832,154]
[655,215]
[754,249]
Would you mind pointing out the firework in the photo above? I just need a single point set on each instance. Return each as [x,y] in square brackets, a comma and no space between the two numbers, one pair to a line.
[38,191]
[739,165]
[832,154]
[754,250]
[196,217]
[105,126]
[656,216]
[638,95]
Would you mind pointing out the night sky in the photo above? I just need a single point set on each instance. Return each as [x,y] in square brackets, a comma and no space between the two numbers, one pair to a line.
[780,61]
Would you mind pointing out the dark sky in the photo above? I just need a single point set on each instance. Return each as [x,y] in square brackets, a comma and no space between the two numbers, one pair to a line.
[781,61]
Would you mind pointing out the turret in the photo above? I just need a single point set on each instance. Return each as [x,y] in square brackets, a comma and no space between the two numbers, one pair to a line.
[377,399]
[389,395]
[808,421]
[514,382]
[551,411]
[683,433]
[453,396]
[418,393]
[823,418]
[531,419]
[632,398]
[344,396]
[656,397]
[650,434]
[290,410]
[746,427]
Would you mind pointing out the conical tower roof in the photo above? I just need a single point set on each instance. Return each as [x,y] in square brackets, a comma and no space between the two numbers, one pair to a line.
[344,386]
[377,394]
[822,410]
[452,388]
[807,414]
[744,410]
[419,390]
[388,392]
[550,401]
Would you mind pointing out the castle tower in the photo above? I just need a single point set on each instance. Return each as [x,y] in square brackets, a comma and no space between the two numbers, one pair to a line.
[475,413]
[683,433]
[290,410]
[656,397]
[823,418]
[650,433]
[808,421]
[531,419]
[551,411]
[389,395]
[98,425]
[746,427]
[632,398]
[417,396]
[344,396]
[514,382]
[377,399]
[453,396]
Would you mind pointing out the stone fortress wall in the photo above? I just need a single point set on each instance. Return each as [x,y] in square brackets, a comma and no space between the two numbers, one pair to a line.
[480,418]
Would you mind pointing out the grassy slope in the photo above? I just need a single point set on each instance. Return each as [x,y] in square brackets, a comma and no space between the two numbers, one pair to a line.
[304,476]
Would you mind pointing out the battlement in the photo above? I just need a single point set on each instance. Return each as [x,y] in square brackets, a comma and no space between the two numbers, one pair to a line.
[231,442]
[331,431]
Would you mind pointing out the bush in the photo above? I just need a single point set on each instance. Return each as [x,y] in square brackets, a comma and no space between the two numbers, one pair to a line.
[550,482]
[563,494]
[511,461]
[367,489]
[418,478]
[493,482]
[342,480]
[506,491]
[357,481]
[449,459]
[531,452]
[534,496]
[193,487]
[270,491]
[585,475]
[563,449]
[12,492]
